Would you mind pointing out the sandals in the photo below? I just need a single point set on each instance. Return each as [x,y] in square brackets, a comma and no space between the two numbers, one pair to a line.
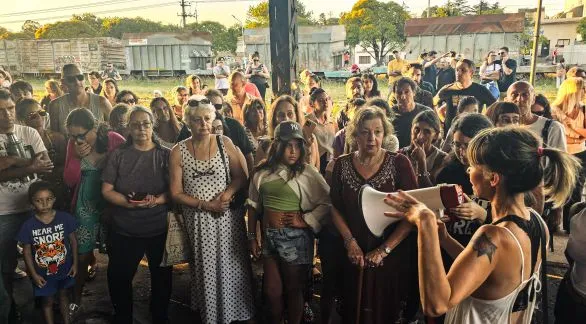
[73,310]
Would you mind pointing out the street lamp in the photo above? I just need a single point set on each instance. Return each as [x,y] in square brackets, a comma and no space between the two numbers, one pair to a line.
[241,25]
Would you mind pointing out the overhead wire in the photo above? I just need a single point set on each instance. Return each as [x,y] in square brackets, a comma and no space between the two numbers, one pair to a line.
[72,7]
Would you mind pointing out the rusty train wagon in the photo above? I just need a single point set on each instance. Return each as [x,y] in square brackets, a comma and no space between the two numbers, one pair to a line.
[47,56]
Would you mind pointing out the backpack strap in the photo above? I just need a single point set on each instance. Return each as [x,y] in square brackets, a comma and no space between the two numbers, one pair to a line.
[221,149]
[544,297]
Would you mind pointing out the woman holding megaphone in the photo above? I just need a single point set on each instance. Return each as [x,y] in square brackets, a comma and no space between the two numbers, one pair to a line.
[494,277]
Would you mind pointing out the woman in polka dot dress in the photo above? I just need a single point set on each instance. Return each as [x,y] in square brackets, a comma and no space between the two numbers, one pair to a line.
[204,184]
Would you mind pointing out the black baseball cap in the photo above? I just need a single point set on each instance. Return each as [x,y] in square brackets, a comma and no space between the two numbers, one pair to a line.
[288,130]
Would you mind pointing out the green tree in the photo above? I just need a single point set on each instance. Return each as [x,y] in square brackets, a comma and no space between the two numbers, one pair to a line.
[378,27]
[485,8]
[581,29]
[223,39]
[65,29]
[92,20]
[116,26]
[258,15]
[324,21]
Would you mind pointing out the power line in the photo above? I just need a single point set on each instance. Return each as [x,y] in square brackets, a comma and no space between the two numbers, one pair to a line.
[89,5]
[163,4]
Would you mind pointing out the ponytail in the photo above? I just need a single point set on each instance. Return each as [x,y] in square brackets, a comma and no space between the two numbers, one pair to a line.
[561,175]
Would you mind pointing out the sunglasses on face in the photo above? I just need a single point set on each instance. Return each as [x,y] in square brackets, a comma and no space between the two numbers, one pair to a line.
[501,53]
[195,102]
[129,101]
[218,106]
[74,78]
[36,114]
[79,137]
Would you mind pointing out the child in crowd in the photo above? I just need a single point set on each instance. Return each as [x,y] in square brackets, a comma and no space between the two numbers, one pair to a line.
[50,250]
[293,199]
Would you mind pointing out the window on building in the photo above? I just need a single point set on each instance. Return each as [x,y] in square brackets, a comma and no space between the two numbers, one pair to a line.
[562,42]
[364,60]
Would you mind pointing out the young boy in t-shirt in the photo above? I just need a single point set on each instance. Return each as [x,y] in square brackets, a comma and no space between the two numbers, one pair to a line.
[50,250]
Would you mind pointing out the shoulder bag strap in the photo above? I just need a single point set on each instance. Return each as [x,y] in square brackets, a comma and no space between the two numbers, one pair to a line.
[544,297]
[545,131]
[221,148]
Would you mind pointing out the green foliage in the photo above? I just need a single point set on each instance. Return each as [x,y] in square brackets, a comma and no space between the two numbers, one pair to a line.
[324,21]
[258,15]
[115,26]
[461,8]
[223,39]
[581,29]
[65,30]
[376,26]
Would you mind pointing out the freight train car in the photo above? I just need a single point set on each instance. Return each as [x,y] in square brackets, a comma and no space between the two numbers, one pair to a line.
[168,54]
[47,56]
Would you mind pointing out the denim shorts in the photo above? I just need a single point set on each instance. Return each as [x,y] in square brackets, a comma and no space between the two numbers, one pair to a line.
[292,245]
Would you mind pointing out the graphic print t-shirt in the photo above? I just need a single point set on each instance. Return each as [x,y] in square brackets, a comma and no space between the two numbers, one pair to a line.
[14,193]
[50,244]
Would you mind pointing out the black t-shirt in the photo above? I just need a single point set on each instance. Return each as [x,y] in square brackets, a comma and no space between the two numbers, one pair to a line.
[402,123]
[430,74]
[130,170]
[451,95]
[505,81]
[445,77]
[460,229]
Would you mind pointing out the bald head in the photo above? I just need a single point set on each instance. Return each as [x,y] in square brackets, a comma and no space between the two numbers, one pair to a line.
[522,94]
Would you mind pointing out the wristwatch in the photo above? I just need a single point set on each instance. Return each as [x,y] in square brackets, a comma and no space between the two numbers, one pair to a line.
[387,250]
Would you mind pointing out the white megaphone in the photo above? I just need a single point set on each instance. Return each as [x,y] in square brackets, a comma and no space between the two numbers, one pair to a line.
[435,198]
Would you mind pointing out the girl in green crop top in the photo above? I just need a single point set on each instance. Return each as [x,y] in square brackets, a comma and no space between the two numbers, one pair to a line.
[278,190]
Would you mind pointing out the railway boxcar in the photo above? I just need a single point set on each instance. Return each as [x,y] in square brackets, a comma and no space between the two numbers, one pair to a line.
[47,56]
[168,54]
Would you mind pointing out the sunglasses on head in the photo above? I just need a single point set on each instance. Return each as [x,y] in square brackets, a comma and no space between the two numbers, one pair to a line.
[195,102]
[73,78]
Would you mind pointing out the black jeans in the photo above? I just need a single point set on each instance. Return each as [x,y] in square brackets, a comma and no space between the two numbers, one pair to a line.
[569,306]
[577,193]
[125,254]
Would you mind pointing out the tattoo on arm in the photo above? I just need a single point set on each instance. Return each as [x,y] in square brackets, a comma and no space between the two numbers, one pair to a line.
[484,246]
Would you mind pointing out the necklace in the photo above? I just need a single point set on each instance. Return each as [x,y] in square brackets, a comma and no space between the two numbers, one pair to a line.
[372,161]
[206,172]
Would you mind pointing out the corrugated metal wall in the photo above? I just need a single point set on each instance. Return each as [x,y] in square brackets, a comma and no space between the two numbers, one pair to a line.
[472,46]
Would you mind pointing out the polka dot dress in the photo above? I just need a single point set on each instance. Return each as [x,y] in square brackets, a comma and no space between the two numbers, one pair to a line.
[220,270]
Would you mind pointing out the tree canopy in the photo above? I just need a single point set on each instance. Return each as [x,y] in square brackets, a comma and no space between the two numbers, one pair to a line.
[461,8]
[376,26]
[581,29]
[258,15]
[223,39]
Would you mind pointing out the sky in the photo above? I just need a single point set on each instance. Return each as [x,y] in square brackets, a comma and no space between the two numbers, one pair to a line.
[227,12]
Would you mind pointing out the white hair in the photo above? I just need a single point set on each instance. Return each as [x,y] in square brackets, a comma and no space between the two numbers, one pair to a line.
[190,110]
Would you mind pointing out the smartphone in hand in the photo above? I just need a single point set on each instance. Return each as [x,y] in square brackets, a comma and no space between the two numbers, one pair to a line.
[138,197]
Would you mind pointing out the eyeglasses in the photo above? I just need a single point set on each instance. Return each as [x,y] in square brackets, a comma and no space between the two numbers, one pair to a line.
[459,146]
[145,125]
[508,120]
[218,106]
[36,114]
[79,137]
[195,102]
[128,101]
[74,78]
[501,53]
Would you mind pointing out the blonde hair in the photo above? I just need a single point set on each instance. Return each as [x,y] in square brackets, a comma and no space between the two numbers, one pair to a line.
[54,86]
[567,97]
[363,115]
[299,117]
[516,153]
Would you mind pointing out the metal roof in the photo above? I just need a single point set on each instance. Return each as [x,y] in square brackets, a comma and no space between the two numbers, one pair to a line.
[502,23]
[184,37]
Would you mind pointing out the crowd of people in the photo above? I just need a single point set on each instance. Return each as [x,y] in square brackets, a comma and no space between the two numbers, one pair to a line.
[87,169]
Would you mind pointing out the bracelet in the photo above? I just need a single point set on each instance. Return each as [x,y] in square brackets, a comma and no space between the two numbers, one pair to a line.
[424,174]
[348,240]
[251,235]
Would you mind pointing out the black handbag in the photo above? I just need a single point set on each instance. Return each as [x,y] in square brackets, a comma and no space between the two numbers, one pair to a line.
[240,196]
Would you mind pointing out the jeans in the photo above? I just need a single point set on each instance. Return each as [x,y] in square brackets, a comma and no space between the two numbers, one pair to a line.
[292,245]
[9,227]
[125,254]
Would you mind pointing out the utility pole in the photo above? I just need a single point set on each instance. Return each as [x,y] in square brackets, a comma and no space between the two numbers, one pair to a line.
[534,54]
[184,14]
[428,8]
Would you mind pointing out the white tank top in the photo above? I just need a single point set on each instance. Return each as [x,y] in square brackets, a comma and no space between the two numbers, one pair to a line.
[480,311]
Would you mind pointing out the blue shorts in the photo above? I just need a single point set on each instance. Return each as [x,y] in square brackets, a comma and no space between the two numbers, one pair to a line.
[292,245]
[9,227]
[53,286]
